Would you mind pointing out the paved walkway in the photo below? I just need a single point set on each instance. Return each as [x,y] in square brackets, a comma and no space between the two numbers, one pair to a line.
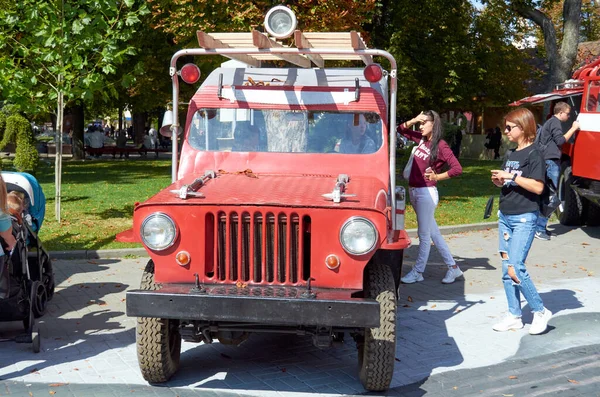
[445,342]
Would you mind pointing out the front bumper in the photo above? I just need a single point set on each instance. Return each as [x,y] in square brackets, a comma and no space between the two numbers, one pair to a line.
[287,306]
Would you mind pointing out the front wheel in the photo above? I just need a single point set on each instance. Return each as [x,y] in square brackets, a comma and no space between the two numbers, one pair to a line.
[570,208]
[592,214]
[158,340]
[377,351]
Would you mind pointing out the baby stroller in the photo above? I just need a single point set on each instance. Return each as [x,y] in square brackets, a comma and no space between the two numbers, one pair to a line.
[26,278]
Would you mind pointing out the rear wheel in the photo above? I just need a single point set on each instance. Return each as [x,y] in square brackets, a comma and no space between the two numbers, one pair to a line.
[377,351]
[158,340]
[40,298]
[570,210]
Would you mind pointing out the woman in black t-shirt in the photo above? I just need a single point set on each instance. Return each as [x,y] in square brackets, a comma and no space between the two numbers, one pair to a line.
[522,181]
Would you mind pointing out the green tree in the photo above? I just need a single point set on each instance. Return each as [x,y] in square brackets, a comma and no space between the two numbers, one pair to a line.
[560,48]
[182,18]
[431,41]
[67,46]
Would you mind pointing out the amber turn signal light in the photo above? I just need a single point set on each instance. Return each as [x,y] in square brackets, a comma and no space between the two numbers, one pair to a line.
[332,262]
[183,258]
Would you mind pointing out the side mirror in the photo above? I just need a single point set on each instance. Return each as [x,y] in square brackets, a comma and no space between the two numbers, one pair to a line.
[165,130]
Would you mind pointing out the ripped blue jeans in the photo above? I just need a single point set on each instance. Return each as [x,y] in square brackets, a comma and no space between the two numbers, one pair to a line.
[516,234]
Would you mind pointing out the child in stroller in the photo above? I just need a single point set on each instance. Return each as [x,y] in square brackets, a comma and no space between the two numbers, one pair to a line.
[26,279]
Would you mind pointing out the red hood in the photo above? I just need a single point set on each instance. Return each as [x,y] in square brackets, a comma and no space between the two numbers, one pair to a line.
[277,190]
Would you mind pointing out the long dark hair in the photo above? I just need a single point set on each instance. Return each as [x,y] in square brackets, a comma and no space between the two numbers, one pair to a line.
[436,134]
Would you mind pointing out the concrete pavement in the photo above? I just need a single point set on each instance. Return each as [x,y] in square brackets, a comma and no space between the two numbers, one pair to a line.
[445,342]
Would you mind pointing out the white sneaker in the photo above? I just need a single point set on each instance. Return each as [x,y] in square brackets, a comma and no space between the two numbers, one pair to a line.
[451,275]
[540,322]
[509,322]
[412,277]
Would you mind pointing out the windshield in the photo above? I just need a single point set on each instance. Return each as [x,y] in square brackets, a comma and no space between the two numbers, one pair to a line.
[285,131]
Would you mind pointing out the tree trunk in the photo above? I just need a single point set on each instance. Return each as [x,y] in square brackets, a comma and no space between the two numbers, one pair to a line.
[78,127]
[559,63]
[139,126]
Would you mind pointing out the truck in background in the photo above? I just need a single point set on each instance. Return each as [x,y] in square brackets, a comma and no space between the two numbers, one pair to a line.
[579,181]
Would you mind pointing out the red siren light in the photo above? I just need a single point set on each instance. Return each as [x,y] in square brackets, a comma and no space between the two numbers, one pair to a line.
[190,73]
[373,73]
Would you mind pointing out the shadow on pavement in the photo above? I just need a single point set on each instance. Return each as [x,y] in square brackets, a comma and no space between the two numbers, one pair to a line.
[558,230]
[79,322]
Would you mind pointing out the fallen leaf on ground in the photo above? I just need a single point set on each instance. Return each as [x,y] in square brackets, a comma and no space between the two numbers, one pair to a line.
[573,381]
[57,384]
[409,299]
[433,306]
[513,377]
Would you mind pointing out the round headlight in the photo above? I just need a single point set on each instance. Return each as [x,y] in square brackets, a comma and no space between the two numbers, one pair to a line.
[280,22]
[158,231]
[358,236]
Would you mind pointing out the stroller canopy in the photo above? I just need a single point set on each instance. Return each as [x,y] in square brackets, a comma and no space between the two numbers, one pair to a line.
[34,195]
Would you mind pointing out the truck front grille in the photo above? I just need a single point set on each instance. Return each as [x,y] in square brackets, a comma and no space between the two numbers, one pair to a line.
[258,247]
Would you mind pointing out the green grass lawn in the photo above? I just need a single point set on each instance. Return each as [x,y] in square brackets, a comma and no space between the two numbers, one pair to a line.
[98,198]
[463,199]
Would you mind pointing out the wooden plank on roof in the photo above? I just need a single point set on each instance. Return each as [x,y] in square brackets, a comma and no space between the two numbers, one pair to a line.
[261,40]
[208,42]
[359,44]
[302,42]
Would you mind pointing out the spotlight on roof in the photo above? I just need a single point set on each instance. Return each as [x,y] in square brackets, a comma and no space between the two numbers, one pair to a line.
[280,22]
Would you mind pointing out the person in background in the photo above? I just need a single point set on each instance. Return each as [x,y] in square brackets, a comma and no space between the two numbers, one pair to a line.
[356,141]
[496,142]
[522,181]
[96,138]
[551,140]
[431,155]
[153,137]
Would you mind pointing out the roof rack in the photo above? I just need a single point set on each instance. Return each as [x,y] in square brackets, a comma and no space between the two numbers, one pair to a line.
[303,40]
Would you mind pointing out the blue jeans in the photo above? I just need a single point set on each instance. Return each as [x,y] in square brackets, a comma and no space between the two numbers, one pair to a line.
[516,234]
[552,173]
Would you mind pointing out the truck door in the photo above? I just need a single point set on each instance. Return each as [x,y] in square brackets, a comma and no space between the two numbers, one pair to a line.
[586,156]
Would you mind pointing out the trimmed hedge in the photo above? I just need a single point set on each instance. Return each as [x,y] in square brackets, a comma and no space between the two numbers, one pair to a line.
[18,130]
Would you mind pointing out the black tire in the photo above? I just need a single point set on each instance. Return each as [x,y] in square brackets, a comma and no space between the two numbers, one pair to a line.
[377,351]
[158,340]
[39,298]
[572,207]
[591,214]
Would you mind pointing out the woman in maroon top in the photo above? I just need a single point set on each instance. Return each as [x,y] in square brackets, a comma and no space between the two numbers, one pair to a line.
[431,155]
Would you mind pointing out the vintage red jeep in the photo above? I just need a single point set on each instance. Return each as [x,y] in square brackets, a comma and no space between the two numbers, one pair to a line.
[579,181]
[284,214]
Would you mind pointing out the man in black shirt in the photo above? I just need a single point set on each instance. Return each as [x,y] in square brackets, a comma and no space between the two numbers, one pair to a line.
[550,141]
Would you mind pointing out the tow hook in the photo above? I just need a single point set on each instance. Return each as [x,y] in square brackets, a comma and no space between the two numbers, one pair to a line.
[308,294]
[323,338]
[197,289]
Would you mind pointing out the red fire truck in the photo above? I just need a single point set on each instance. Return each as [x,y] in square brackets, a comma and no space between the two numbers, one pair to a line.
[284,214]
[579,182]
